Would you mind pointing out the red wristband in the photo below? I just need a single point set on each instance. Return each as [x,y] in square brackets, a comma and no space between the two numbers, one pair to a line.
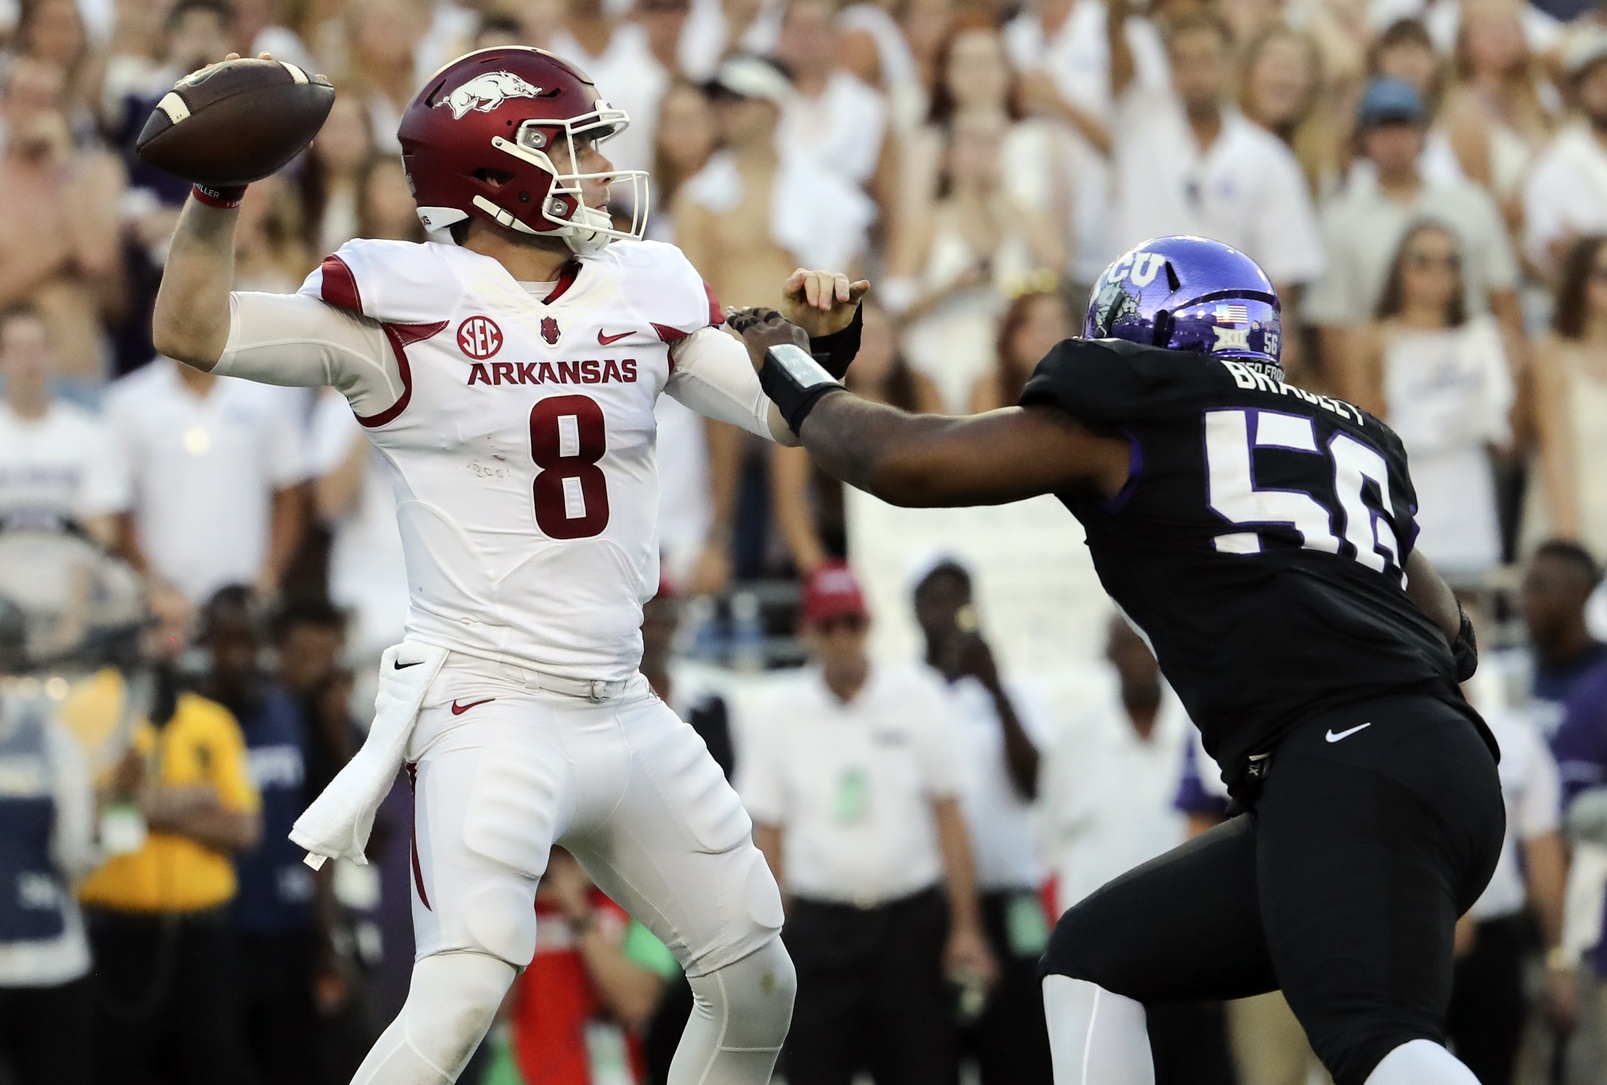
[225,198]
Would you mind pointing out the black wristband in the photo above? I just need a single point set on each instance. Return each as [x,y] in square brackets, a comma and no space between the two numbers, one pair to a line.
[837,351]
[795,382]
[1466,647]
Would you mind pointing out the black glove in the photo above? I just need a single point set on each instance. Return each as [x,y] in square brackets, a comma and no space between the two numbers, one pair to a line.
[1465,649]
[795,382]
[836,351]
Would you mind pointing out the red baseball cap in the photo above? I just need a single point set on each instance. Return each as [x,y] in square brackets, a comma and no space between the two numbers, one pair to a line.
[832,591]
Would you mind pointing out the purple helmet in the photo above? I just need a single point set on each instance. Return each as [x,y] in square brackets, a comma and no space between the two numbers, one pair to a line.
[1189,293]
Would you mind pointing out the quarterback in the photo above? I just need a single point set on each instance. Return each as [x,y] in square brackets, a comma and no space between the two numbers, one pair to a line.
[509,379]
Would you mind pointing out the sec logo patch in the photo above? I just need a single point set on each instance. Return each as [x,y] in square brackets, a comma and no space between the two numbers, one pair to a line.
[479,337]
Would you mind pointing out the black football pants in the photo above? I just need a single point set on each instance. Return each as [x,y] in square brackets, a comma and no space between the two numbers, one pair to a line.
[1378,824]
[871,993]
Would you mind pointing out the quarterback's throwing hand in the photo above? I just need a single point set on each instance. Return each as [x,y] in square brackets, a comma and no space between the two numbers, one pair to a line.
[821,302]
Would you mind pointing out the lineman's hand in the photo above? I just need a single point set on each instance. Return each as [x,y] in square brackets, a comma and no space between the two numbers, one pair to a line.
[762,329]
[792,379]
[821,302]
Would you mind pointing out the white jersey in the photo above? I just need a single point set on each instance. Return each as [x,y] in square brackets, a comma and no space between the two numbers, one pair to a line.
[519,429]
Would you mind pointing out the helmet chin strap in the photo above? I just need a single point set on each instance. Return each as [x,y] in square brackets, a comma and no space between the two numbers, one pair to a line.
[581,240]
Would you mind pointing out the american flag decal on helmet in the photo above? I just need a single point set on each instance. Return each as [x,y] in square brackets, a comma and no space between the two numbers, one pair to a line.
[1232,314]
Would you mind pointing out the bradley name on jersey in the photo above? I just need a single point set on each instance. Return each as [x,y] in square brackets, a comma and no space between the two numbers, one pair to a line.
[1252,379]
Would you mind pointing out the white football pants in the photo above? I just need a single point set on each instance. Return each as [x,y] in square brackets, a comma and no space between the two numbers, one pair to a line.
[502,772]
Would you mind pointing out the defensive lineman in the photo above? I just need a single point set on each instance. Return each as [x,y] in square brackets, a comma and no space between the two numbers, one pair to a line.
[1262,537]
[510,380]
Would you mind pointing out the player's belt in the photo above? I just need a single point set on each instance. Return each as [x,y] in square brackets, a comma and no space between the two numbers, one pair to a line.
[592,689]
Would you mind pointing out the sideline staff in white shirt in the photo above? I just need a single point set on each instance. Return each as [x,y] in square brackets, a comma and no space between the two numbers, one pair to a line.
[851,777]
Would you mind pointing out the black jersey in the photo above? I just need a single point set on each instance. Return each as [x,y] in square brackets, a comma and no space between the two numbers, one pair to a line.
[1260,541]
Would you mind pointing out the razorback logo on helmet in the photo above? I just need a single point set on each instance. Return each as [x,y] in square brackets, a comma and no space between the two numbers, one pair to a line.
[549,330]
[479,337]
[485,92]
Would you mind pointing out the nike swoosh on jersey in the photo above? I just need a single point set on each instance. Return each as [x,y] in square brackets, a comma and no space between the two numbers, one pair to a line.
[607,339]
[399,665]
[459,709]
[1346,734]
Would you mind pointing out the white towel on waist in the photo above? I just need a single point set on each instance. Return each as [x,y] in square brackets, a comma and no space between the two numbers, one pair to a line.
[338,822]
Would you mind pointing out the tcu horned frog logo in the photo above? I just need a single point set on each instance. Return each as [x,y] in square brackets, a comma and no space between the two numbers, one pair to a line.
[485,92]
[479,337]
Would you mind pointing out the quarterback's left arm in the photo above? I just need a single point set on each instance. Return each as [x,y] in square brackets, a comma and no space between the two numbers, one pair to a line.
[714,378]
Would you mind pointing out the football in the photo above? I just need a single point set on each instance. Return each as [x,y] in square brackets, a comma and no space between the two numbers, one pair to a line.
[235,122]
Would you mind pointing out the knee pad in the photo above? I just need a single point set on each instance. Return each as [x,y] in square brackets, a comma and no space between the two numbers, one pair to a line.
[510,823]
[756,925]
[750,999]
[500,918]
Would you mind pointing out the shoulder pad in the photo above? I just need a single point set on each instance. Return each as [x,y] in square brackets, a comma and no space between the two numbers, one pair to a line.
[396,282]
[1113,381]
[665,287]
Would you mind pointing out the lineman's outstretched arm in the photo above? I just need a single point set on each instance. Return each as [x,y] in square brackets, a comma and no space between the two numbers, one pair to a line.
[987,459]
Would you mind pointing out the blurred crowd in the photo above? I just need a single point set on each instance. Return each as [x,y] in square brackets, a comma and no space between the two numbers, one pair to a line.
[1425,183]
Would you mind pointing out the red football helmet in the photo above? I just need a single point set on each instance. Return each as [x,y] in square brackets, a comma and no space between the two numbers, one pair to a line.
[496,133]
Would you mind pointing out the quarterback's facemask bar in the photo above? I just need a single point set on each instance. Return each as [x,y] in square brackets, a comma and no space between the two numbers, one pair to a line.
[584,228]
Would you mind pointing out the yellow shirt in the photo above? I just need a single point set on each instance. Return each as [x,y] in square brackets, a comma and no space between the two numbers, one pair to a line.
[201,744]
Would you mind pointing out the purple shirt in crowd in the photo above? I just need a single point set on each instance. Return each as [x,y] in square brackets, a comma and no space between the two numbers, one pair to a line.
[1580,746]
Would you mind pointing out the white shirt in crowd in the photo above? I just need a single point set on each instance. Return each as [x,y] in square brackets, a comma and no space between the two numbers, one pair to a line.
[629,77]
[1566,194]
[1362,227]
[1077,58]
[1078,55]
[1107,795]
[1448,394]
[852,785]
[842,130]
[205,470]
[1533,794]
[817,215]
[706,38]
[60,466]
[1245,189]
[1004,843]
[367,570]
